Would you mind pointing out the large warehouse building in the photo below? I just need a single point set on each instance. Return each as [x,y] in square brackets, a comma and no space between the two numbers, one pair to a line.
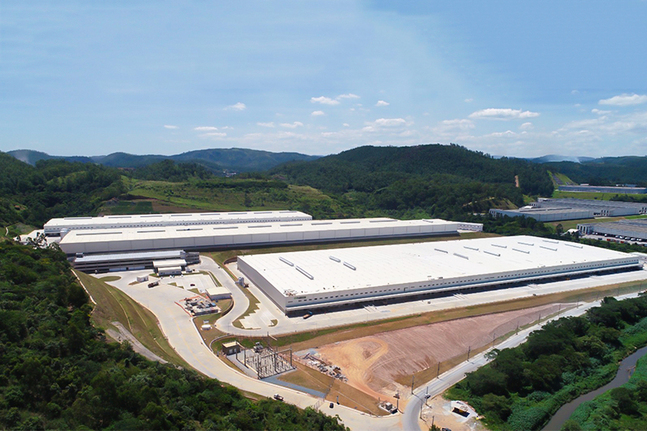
[58,226]
[547,210]
[636,229]
[328,278]
[123,240]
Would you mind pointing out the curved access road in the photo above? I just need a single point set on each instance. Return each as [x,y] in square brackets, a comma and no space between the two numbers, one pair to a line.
[183,336]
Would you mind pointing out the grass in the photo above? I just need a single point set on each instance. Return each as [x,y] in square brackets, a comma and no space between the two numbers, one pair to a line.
[109,278]
[253,306]
[114,305]
[127,207]
[303,340]
[584,195]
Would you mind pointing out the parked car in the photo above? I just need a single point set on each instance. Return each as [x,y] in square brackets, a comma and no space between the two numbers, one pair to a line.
[278,397]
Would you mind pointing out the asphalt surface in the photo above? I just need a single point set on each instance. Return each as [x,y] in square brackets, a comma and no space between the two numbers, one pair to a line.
[183,336]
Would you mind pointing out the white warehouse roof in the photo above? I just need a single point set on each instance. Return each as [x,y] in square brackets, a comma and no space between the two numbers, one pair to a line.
[120,240]
[420,266]
[57,225]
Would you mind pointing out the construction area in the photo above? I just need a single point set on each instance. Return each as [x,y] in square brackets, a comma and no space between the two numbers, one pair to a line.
[383,364]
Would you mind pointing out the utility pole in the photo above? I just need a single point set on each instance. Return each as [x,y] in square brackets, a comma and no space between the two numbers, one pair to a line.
[412,380]
[469,349]
[438,371]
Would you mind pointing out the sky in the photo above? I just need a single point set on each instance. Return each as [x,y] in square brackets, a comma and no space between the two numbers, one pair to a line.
[508,78]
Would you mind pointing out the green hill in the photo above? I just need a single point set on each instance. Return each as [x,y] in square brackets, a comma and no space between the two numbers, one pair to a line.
[604,171]
[216,159]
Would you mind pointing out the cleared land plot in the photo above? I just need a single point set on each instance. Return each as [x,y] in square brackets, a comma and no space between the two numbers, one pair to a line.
[372,364]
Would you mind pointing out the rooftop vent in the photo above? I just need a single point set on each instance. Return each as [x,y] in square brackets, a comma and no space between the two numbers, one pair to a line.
[335,259]
[284,260]
[348,265]
[304,272]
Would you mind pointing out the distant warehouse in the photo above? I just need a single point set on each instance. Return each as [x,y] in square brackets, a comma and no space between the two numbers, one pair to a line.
[60,226]
[636,229]
[188,238]
[547,210]
[332,278]
[624,190]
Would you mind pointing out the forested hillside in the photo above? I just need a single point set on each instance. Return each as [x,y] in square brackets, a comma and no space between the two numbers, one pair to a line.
[437,180]
[607,171]
[216,160]
[58,372]
[53,188]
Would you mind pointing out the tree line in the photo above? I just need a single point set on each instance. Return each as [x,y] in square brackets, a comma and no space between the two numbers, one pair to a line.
[58,372]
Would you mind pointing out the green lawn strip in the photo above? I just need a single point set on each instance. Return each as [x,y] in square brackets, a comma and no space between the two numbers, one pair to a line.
[114,305]
[253,306]
[110,278]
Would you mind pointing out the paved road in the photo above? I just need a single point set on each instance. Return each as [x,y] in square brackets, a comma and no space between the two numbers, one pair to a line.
[436,387]
[183,336]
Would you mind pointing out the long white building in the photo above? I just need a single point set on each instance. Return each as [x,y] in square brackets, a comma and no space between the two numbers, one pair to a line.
[58,226]
[122,240]
[329,278]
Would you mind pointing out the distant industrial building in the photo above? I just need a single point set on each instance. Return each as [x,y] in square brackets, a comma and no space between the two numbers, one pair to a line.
[192,238]
[60,226]
[333,278]
[545,214]
[133,261]
[547,210]
[621,190]
[626,229]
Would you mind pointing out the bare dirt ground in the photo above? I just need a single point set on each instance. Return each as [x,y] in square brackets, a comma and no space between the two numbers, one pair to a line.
[373,364]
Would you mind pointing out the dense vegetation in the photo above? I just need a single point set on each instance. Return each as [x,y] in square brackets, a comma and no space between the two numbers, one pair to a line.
[58,372]
[522,387]
[427,180]
[53,188]
[623,408]
[607,171]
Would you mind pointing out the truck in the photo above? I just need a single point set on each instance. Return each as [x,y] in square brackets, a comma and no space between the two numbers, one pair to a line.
[153,284]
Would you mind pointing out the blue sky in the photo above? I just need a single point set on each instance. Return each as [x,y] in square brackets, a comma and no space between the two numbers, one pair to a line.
[505,77]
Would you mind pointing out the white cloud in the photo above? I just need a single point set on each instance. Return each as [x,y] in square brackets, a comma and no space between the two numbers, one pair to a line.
[213,135]
[168,126]
[470,100]
[600,112]
[526,126]
[270,124]
[382,103]
[625,100]
[205,128]
[346,125]
[347,96]
[324,100]
[236,107]
[317,113]
[390,122]
[502,114]
[292,125]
